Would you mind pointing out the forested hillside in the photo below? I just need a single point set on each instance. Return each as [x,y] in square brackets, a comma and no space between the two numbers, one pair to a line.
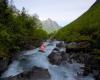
[18,30]
[85,28]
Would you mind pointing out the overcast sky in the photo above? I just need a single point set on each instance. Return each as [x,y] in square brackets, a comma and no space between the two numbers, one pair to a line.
[61,11]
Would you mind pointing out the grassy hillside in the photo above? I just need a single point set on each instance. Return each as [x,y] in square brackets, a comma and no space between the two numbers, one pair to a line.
[86,27]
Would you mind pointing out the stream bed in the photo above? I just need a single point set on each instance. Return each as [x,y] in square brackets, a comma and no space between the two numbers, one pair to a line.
[25,63]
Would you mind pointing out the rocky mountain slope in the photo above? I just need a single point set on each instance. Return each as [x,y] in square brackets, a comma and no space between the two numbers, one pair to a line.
[50,25]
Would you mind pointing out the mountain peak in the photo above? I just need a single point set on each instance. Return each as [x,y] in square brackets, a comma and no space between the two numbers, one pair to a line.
[49,19]
[50,26]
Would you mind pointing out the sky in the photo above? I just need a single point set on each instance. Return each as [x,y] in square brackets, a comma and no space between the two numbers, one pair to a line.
[61,11]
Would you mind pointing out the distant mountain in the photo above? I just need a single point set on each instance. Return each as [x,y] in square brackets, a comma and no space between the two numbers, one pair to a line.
[50,25]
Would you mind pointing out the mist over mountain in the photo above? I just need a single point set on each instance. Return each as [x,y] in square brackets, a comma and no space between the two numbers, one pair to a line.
[50,26]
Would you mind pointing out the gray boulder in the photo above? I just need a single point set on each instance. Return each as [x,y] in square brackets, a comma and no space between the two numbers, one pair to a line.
[55,58]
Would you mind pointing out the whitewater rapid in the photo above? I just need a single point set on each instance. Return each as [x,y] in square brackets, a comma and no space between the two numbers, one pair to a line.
[39,59]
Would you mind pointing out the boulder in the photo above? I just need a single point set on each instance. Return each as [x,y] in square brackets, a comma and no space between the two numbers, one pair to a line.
[61,44]
[96,74]
[34,74]
[65,56]
[56,49]
[55,58]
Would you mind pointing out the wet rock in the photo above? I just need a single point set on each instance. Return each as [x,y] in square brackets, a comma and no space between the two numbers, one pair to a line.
[3,65]
[65,56]
[42,74]
[87,70]
[56,50]
[55,58]
[34,74]
[61,44]
[82,52]
[96,74]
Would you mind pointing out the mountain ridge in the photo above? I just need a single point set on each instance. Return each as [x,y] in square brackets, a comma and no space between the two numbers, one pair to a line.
[50,26]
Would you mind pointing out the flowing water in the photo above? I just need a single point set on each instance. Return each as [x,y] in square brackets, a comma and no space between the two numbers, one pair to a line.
[29,59]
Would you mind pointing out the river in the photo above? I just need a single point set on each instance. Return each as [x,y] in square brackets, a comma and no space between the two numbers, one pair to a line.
[31,58]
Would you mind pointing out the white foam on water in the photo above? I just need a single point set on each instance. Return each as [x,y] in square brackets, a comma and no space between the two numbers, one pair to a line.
[68,72]
[39,59]
[13,69]
[31,58]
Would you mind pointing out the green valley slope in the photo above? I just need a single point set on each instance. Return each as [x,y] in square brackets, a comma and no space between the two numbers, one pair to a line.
[86,27]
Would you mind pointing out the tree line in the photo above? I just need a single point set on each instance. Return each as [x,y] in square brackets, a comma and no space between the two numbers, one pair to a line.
[18,30]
